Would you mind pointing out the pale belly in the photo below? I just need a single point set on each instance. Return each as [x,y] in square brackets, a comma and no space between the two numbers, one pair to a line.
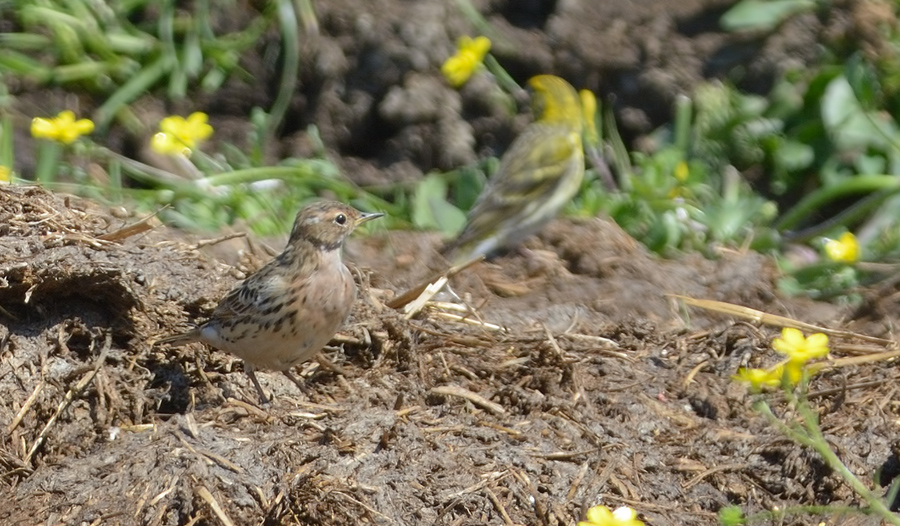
[269,350]
[294,334]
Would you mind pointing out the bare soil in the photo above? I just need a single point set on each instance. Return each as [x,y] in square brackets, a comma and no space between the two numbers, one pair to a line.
[603,388]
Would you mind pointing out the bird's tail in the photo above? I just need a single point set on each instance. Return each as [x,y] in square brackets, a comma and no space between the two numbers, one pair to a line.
[180,339]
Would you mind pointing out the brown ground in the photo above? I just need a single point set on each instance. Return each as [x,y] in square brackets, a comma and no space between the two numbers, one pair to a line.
[603,390]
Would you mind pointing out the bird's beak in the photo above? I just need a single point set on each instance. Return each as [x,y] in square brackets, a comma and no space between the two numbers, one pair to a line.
[365,218]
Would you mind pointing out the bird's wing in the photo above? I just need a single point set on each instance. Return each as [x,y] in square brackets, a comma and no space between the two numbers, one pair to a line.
[257,293]
[535,163]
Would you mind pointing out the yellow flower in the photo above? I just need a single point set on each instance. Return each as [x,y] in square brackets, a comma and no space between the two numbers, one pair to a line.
[467,60]
[5,174]
[603,516]
[62,128]
[538,175]
[798,348]
[682,171]
[589,112]
[178,136]
[763,379]
[844,249]
[758,379]
[168,144]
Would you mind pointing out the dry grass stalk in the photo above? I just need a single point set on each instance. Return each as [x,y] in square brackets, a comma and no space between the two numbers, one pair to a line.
[779,321]
[133,229]
[70,396]
[478,400]
[214,504]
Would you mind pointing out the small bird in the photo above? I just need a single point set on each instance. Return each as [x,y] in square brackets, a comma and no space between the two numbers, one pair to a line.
[539,173]
[283,314]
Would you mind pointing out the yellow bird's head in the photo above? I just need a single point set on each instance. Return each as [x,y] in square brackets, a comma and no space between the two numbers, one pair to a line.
[555,101]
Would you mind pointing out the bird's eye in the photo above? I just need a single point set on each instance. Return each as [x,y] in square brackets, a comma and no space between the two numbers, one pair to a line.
[340,219]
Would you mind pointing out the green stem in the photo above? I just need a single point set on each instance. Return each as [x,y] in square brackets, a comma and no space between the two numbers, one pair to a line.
[143,173]
[20,64]
[133,46]
[857,212]
[7,150]
[789,511]
[815,200]
[683,111]
[138,85]
[620,157]
[316,173]
[506,82]
[308,17]
[251,175]
[287,21]
[484,27]
[115,181]
[814,439]
[818,442]
[24,41]
[48,153]
[879,127]
[86,70]
[207,163]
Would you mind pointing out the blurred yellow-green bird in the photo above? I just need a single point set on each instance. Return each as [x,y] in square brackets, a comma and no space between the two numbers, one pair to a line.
[539,173]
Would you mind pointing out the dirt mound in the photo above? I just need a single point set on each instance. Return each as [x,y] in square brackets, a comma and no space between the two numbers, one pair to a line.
[422,421]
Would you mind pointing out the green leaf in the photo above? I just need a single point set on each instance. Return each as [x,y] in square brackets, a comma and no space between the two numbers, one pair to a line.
[794,156]
[870,164]
[731,516]
[761,15]
[430,209]
[467,186]
[850,126]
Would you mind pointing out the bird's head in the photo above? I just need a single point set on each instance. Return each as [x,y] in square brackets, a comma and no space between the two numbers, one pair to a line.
[555,100]
[326,224]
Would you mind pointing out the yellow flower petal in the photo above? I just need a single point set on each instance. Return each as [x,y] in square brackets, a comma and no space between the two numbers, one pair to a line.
[168,144]
[178,136]
[5,174]
[817,340]
[588,113]
[624,514]
[74,130]
[479,45]
[171,124]
[602,516]
[62,128]
[799,348]
[65,118]
[844,249]
[468,59]
[599,515]
[682,171]
[759,379]
[790,339]
[42,128]
[793,370]
[198,127]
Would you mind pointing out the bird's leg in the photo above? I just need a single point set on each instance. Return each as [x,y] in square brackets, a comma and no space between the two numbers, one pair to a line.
[263,399]
[300,384]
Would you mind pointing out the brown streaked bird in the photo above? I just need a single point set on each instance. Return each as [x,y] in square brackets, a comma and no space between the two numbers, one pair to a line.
[283,314]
